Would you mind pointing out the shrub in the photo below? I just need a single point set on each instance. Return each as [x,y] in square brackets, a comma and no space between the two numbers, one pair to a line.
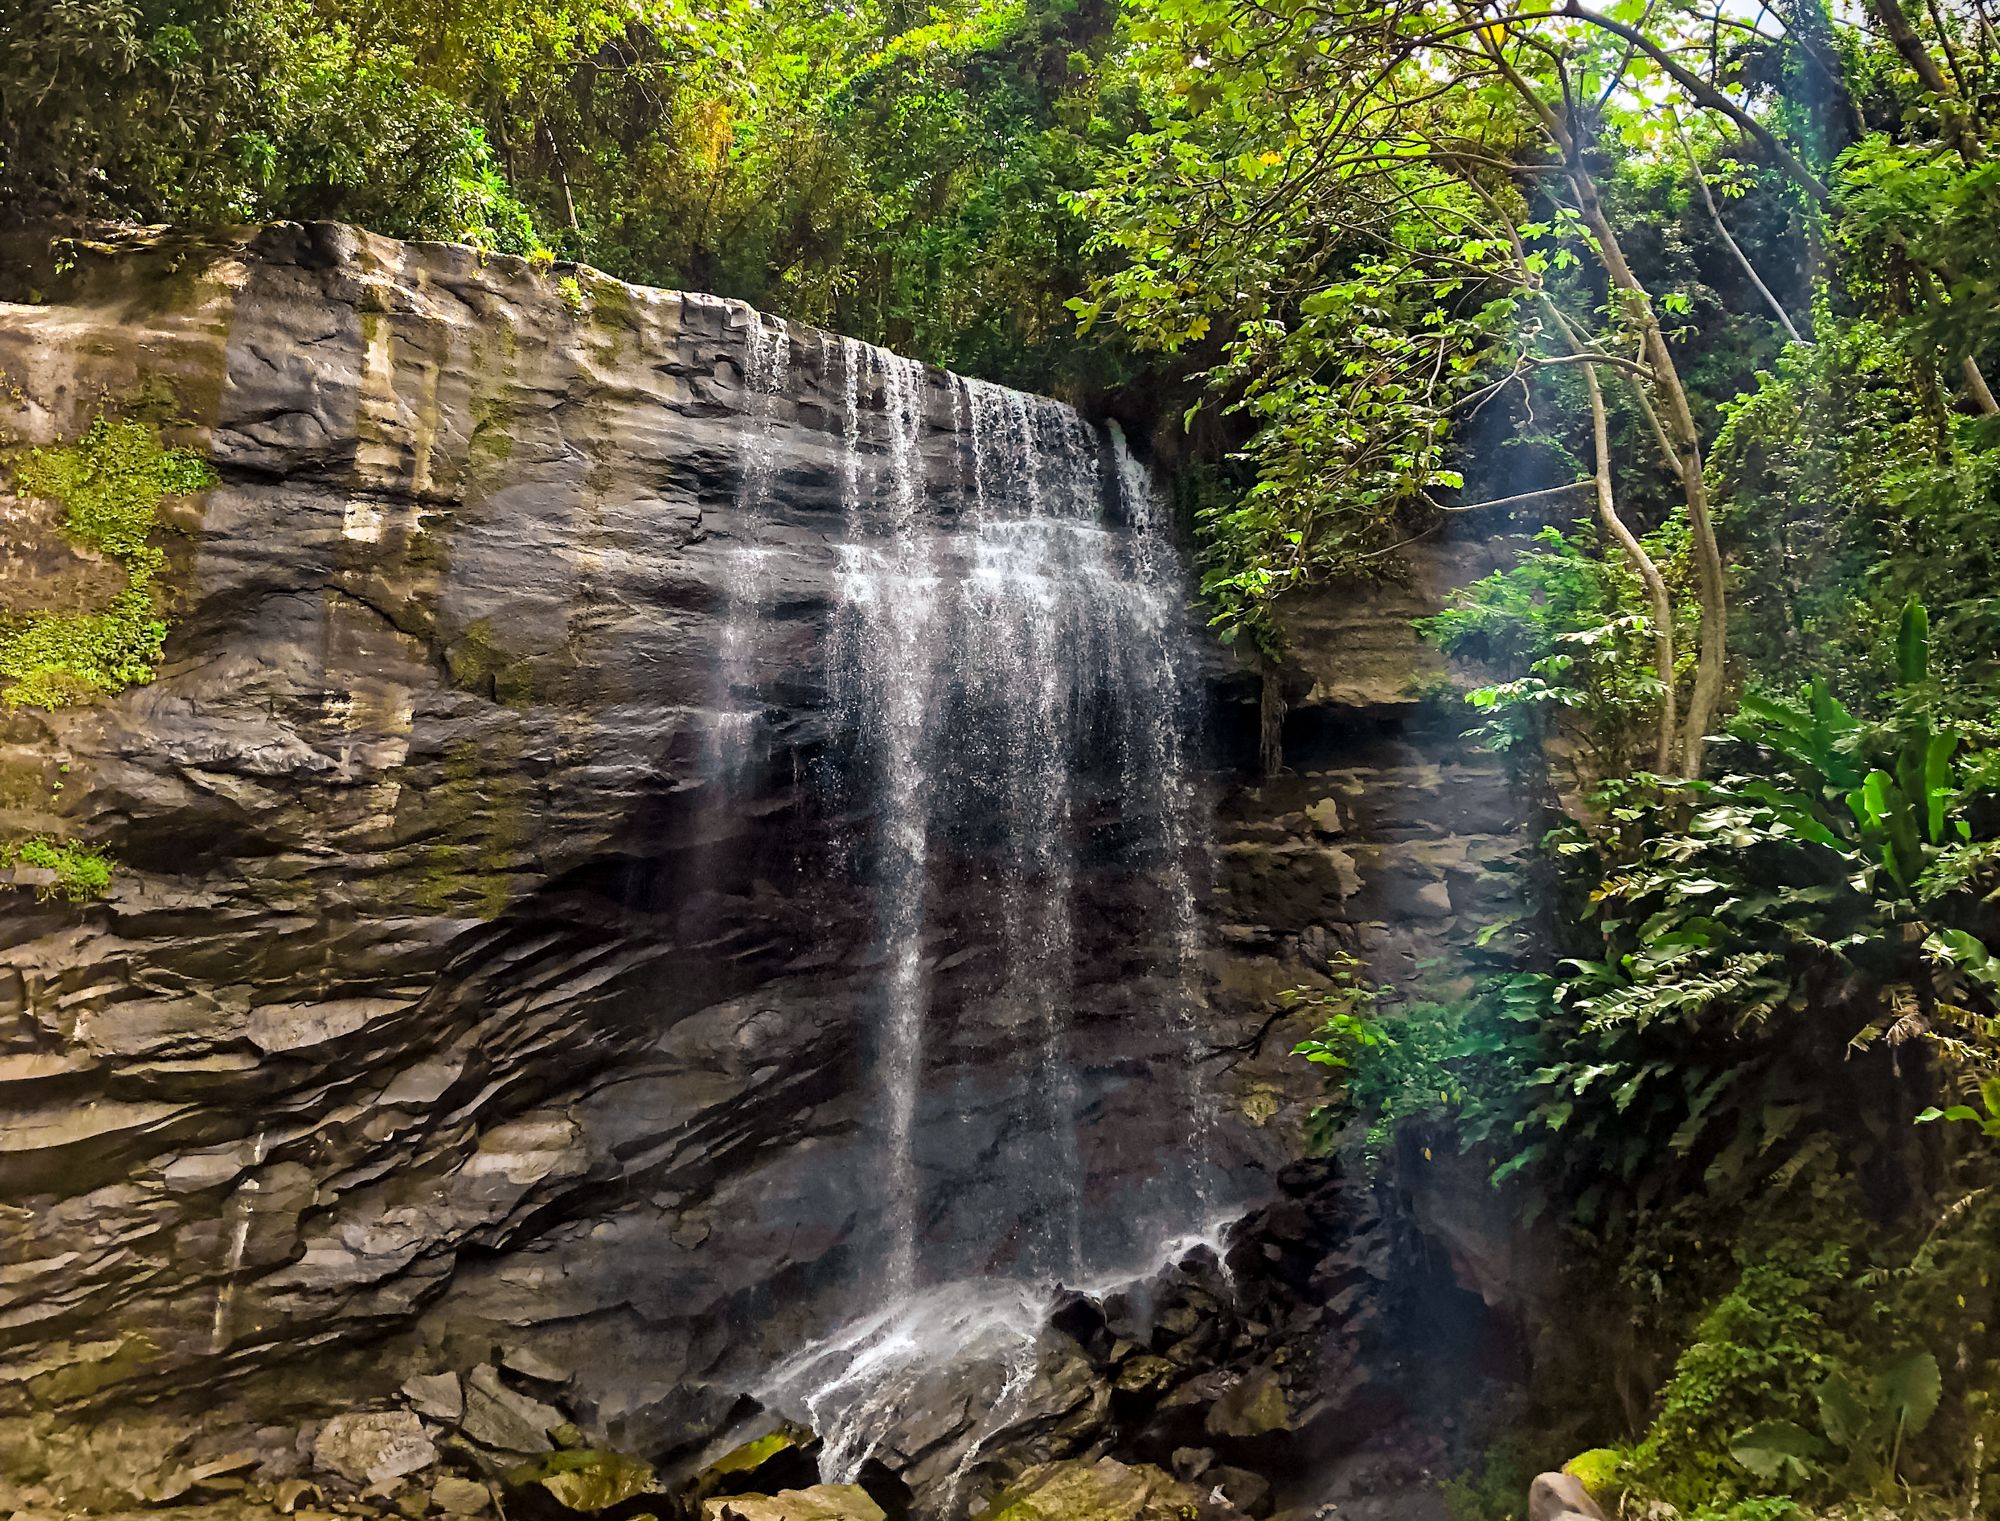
[1759,1355]
[81,872]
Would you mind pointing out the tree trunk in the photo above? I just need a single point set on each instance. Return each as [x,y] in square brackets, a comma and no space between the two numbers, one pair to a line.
[1982,393]
[1678,418]
[1742,258]
[1270,719]
[1656,584]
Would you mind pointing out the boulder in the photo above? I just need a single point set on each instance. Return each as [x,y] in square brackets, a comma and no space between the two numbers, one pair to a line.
[1252,1407]
[1324,816]
[460,1497]
[532,1365]
[778,1459]
[374,1449]
[587,1480]
[1247,1491]
[504,1420]
[1105,1490]
[289,1494]
[213,1475]
[436,1395]
[820,1502]
[1557,1496]
[1144,1373]
[1191,1463]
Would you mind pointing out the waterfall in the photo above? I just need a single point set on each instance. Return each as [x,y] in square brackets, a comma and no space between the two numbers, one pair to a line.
[882,681]
[1157,768]
[766,371]
[1008,659]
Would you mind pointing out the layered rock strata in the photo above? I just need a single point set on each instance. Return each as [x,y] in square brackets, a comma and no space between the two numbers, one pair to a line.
[448,1000]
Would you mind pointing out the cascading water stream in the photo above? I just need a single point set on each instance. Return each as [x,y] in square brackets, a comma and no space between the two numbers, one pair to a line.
[1156,753]
[880,679]
[766,369]
[1006,649]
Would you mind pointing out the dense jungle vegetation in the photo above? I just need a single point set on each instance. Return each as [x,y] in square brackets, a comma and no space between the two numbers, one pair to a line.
[1699,301]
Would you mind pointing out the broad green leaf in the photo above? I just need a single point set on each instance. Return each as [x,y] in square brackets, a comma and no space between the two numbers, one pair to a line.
[1844,1410]
[1909,1390]
[1937,781]
[1957,948]
[1777,1451]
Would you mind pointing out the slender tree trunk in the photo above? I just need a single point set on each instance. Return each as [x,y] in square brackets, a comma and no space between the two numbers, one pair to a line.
[1677,419]
[1982,393]
[562,174]
[1904,36]
[1656,584]
[1952,106]
[1715,216]
[1677,416]
[1270,719]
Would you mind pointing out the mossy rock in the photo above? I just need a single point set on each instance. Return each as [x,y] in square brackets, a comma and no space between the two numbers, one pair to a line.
[109,486]
[779,1459]
[587,1480]
[1105,1490]
[479,664]
[818,1502]
[1598,1471]
[74,870]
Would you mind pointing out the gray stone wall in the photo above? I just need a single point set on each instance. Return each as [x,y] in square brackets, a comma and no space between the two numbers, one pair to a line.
[441,1001]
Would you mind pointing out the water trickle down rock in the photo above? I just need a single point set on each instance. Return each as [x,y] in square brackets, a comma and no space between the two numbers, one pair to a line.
[998,639]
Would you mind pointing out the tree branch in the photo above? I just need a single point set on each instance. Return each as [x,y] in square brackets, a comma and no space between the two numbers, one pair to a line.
[1706,94]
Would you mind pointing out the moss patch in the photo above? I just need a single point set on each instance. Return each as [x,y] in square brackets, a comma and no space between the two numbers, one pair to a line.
[109,486]
[81,873]
[480,803]
[478,663]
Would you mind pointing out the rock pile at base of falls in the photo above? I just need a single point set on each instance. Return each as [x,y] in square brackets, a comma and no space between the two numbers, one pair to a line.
[1188,1393]
[1223,1371]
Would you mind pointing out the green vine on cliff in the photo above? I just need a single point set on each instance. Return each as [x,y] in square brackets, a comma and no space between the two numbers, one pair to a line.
[110,486]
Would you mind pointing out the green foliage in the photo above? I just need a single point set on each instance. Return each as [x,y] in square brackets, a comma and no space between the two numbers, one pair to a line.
[110,485]
[1576,625]
[1917,227]
[1989,1094]
[892,170]
[1454,1061]
[1758,1357]
[238,112]
[1851,490]
[51,660]
[1496,1489]
[1862,1422]
[1754,933]
[81,872]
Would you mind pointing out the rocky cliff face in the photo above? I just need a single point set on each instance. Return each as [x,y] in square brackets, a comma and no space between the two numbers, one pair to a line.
[449,994]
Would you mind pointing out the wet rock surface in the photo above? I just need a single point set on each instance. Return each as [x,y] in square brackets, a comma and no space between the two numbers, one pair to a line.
[448,989]
[451,1026]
